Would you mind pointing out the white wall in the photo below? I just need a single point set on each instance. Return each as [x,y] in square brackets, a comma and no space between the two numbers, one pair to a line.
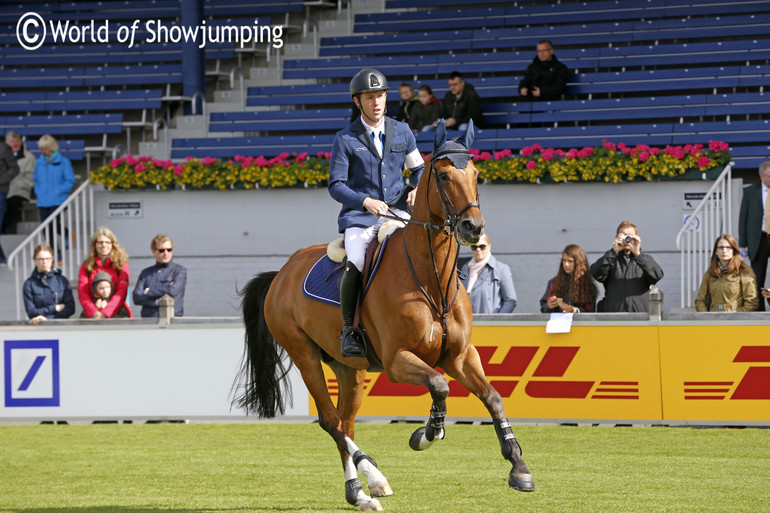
[225,237]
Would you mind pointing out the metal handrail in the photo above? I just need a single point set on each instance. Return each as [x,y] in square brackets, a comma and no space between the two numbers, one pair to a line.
[155,127]
[75,217]
[233,72]
[203,108]
[712,217]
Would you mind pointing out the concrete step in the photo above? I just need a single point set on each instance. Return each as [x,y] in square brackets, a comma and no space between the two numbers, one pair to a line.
[11,242]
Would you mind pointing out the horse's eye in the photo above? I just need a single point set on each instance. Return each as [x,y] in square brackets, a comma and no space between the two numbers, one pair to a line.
[443,176]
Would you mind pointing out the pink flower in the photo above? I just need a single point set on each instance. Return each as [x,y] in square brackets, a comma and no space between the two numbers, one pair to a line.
[139,168]
[687,148]
[130,160]
[718,146]
[283,156]
[531,164]
[117,162]
[559,153]
[572,153]
[526,151]
[654,151]
[208,161]
[239,158]
[158,163]
[302,157]
[485,155]
[261,161]
[548,154]
[643,156]
[178,169]
[537,147]
[609,145]
[704,162]
[328,155]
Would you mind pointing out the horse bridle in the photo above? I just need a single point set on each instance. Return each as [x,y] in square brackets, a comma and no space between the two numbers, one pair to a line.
[449,227]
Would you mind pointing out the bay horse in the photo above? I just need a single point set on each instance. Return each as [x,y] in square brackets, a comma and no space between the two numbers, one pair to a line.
[417,316]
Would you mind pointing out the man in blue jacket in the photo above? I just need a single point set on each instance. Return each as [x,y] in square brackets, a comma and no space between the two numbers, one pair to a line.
[365,175]
[164,277]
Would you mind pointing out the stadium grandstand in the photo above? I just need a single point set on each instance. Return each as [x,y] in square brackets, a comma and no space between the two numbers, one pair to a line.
[654,71]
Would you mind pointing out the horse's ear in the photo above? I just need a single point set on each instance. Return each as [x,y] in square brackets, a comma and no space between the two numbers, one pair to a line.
[469,135]
[439,140]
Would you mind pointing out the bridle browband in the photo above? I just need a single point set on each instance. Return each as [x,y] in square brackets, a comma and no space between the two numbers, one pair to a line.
[449,227]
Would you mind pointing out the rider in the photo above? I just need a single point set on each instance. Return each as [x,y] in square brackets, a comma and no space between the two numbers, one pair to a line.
[365,175]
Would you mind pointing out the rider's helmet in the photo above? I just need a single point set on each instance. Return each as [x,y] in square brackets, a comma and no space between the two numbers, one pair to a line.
[368,80]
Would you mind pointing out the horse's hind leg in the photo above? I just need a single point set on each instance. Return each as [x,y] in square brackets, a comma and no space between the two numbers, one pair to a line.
[471,375]
[350,382]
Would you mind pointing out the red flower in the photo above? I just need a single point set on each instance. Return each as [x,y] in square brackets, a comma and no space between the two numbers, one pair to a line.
[526,151]
[609,145]
[704,162]
[178,169]
[208,161]
[139,168]
[531,164]
[485,155]
[643,156]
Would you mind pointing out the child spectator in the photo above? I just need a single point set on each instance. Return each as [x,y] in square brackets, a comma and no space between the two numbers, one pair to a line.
[425,112]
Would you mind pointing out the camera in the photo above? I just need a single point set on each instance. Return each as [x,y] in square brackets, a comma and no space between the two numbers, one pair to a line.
[628,239]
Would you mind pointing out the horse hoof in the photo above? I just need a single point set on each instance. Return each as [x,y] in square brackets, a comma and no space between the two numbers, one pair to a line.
[371,505]
[417,441]
[521,482]
[380,489]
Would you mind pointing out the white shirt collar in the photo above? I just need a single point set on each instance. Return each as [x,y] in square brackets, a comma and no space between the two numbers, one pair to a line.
[372,130]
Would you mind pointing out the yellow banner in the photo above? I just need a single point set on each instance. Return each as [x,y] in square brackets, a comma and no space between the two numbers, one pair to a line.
[594,372]
[718,373]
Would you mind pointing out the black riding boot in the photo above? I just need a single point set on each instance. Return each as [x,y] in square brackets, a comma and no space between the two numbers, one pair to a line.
[352,345]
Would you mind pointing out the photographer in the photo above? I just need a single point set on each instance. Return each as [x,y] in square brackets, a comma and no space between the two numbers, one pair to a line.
[626,273]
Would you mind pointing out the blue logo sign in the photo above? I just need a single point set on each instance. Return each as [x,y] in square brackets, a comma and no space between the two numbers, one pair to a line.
[31,372]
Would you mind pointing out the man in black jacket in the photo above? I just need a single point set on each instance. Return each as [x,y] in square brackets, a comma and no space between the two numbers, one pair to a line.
[626,273]
[461,104]
[753,230]
[546,78]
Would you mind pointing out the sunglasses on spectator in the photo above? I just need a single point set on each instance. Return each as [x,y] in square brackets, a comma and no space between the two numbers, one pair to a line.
[482,247]
[163,250]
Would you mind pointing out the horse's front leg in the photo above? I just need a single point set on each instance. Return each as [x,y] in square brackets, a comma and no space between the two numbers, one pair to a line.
[470,374]
[406,367]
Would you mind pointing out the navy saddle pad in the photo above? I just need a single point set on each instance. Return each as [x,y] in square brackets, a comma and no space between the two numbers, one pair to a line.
[322,282]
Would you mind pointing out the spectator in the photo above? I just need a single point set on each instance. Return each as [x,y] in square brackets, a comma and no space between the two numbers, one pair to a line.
[626,272]
[364,174]
[164,277]
[489,283]
[546,78]
[8,171]
[754,226]
[47,293]
[20,190]
[102,293]
[54,179]
[572,290]
[104,254]
[426,111]
[407,104]
[461,104]
[729,285]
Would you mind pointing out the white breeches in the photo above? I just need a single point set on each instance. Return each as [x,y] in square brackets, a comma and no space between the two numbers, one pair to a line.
[357,239]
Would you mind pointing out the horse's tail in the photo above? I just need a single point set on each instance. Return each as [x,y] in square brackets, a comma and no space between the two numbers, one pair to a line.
[262,380]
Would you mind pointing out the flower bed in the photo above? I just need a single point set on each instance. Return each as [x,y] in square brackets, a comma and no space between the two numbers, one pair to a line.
[607,163]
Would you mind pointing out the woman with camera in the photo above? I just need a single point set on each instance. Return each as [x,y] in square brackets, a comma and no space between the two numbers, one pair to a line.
[729,285]
[626,273]
[572,290]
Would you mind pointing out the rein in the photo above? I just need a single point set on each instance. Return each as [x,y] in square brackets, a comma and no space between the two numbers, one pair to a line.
[448,228]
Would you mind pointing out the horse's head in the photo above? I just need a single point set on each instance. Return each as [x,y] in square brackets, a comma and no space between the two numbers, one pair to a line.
[453,195]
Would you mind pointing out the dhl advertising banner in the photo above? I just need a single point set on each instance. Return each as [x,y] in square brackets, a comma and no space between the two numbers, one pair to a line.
[611,371]
[594,372]
[716,372]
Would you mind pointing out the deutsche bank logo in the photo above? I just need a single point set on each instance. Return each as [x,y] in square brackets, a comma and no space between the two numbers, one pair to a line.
[31,372]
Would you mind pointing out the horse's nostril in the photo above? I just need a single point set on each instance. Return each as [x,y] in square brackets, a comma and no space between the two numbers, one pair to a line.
[469,226]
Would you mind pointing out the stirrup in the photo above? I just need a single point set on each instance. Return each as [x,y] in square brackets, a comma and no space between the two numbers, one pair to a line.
[352,343]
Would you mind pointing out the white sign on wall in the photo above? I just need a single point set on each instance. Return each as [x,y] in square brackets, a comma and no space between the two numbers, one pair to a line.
[124,209]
